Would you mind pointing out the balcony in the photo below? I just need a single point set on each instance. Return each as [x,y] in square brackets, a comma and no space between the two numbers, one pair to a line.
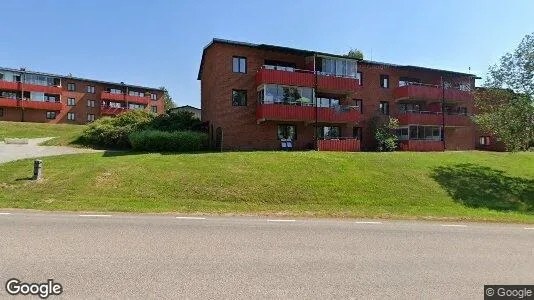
[306,78]
[429,92]
[296,113]
[9,85]
[112,111]
[18,86]
[344,145]
[31,104]
[421,145]
[124,98]
[433,118]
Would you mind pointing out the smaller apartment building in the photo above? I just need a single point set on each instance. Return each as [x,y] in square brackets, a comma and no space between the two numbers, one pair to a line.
[254,96]
[27,96]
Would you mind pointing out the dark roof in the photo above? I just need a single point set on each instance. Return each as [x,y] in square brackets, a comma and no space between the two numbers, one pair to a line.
[79,78]
[309,52]
[185,106]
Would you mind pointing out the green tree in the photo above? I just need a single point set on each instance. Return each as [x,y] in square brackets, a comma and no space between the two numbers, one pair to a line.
[515,70]
[384,128]
[355,53]
[505,106]
[167,99]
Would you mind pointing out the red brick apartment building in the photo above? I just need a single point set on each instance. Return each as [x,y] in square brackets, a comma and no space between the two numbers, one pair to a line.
[255,95]
[40,97]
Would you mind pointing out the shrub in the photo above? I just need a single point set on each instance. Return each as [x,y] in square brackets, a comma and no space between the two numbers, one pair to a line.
[176,121]
[113,132]
[384,128]
[162,141]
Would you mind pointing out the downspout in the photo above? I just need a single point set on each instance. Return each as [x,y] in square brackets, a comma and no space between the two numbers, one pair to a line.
[22,79]
[315,138]
[443,112]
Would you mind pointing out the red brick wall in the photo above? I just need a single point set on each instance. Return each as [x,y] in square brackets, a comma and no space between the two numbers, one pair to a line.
[239,123]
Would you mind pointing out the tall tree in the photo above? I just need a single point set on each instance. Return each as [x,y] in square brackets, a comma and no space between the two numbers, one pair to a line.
[167,99]
[355,53]
[516,69]
[505,106]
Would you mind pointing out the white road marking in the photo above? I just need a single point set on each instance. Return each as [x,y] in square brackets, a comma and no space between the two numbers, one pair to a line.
[368,222]
[453,225]
[95,215]
[4,213]
[529,228]
[191,218]
[280,220]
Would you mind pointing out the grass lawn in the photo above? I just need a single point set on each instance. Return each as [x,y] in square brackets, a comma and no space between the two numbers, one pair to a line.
[65,133]
[450,185]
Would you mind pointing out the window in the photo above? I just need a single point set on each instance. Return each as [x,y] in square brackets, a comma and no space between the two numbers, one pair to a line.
[409,108]
[359,76]
[425,133]
[50,115]
[153,96]
[91,103]
[50,98]
[90,89]
[402,133]
[484,141]
[16,78]
[462,110]
[115,91]
[136,106]
[154,109]
[71,101]
[287,95]
[328,132]
[1,76]
[287,132]
[90,117]
[1,112]
[71,87]
[359,105]
[338,67]
[384,81]
[239,64]
[71,116]
[239,98]
[136,93]
[357,132]
[384,107]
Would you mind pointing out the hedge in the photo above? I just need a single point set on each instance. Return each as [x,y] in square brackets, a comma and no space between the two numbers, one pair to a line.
[162,141]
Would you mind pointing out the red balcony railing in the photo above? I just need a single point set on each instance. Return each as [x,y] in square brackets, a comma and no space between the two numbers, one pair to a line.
[283,112]
[17,86]
[6,102]
[306,78]
[428,92]
[432,118]
[31,104]
[421,145]
[346,145]
[9,86]
[295,78]
[124,98]
[337,83]
[112,111]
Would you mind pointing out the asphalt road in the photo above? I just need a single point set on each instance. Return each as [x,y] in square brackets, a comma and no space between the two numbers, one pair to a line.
[140,256]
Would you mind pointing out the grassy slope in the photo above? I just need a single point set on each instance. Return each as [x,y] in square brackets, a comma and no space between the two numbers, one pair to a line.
[65,133]
[399,185]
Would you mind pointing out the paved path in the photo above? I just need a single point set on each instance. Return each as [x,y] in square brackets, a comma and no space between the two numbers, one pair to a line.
[115,256]
[10,152]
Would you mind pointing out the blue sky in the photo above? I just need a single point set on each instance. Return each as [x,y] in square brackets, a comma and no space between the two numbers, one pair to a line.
[159,42]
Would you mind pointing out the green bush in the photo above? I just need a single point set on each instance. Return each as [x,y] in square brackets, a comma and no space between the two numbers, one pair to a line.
[176,121]
[113,132]
[162,141]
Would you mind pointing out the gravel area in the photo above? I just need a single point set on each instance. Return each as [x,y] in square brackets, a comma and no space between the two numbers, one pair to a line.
[10,152]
